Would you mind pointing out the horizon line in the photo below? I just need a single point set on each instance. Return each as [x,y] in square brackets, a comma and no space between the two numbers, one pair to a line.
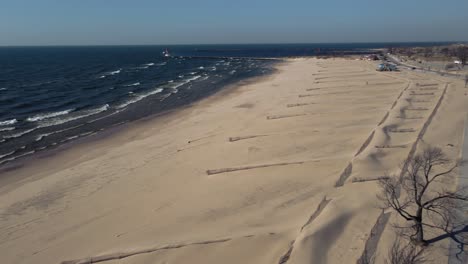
[215,44]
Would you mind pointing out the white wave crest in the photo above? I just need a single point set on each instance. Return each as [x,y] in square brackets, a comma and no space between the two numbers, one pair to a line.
[40,137]
[19,156]
[140,97]
[133,84]
[102,117]
[115,72]
[174,87]
[149,64]
[111,73]
[8,122]
[40,117]
[69,138]
[19,134]
[3,89]
[179,84]
[78,115]
[193,78]
[7,154]
[6,129]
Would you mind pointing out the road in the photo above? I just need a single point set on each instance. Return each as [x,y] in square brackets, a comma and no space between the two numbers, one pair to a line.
[454,256]
[397,61]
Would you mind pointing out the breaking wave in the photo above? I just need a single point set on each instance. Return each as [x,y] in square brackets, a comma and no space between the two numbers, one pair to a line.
[19,156]
[133,84]
[139,98]
[6,129]
[8,122]
[78,115]
[7,154]
[19,134]
[111,73]
[48,115]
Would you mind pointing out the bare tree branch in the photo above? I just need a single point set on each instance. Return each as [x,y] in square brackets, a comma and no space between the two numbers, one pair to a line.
[409,253]
[422,202]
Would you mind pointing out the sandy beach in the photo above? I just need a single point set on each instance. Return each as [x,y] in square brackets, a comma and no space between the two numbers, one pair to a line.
[281,170]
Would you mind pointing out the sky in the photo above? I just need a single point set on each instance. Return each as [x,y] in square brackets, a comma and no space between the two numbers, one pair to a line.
[146,22]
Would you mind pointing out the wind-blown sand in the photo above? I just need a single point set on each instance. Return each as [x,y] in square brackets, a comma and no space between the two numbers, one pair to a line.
[281,170]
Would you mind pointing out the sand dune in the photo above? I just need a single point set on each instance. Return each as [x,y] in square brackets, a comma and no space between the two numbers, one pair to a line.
[280,170]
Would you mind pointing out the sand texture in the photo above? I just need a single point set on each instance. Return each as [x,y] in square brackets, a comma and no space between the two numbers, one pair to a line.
[280,170]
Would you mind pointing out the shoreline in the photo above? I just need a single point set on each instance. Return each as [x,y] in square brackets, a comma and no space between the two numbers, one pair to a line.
[116,128]
[249,174]
[126,94]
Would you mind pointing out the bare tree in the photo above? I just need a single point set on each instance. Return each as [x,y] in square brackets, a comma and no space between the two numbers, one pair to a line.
[408,253]
[427,51]
[462,54]
[445,51]
[418,197]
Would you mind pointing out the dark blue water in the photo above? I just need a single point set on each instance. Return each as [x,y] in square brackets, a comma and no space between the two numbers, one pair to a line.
[52,95]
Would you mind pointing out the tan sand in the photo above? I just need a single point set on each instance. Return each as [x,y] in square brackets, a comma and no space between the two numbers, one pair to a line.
[278,171]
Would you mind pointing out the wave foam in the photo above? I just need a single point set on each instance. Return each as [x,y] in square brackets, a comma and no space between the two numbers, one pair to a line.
[8,122]
[3,89]
[7,154]
[19,134]
[6,129]
[19,156]
[48,115]
[69,138]
[133,84]
[41,136]
[79,115]
[111,73]
[115,72]
[140,97]
[102,117]
[174,87]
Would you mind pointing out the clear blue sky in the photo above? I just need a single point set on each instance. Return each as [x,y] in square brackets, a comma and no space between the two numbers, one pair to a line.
[100,22]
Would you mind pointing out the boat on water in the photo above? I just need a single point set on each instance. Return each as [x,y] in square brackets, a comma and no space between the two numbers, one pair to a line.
[166,53]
